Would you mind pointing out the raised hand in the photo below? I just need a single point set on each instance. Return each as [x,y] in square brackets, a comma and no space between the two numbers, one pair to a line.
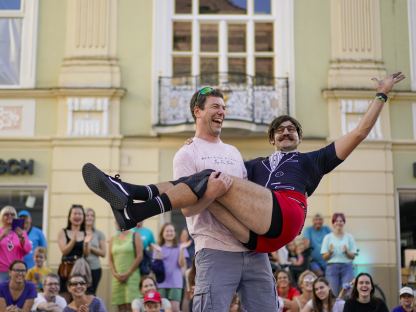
[386,85]
[218,184]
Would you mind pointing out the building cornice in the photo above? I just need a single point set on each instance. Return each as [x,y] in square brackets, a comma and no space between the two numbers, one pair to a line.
[360,93]
[62,92]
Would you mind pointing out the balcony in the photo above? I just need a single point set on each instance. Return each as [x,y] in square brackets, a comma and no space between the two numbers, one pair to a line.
[252,102]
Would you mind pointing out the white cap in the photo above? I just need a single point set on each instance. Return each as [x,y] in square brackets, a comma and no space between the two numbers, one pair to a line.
[406,291]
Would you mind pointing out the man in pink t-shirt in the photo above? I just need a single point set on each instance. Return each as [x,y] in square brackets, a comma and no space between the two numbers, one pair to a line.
[223,265]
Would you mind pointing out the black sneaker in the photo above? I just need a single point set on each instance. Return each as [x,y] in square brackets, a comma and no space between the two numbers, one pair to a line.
[107,187]
[124,221]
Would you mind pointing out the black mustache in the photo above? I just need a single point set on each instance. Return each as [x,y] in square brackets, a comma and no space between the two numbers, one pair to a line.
[286,137]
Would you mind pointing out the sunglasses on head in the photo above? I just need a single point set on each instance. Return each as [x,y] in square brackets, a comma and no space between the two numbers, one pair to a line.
[204,91]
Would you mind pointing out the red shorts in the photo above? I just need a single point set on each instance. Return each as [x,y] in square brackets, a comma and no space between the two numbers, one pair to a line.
[288,221]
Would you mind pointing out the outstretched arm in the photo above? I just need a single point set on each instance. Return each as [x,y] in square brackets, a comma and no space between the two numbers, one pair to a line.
[347,143]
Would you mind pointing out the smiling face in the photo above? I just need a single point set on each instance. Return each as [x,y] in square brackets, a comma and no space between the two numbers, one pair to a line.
[282,280]
[89,218]
[39,259]
[321,290]
[169,233]
[307,282]
[364,287]
[209,120]
[18,273]
[406,301]
[285,137]
[338,224]
[51,286]
[7,216]
[147,285]
[76,217]
[77,286]
[317,222]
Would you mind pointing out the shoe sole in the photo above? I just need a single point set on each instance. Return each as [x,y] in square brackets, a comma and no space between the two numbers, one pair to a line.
[99,183]
[121,220]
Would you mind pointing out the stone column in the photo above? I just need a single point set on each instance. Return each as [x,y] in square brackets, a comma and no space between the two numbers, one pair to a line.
[90,53]
[355,44]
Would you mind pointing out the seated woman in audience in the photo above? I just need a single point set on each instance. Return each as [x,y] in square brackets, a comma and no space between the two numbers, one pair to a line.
[285,290]
[49,300]
[17,294]
[77,287]
[305,282]
[362,296]
[14,243]
[148,283]
[323,299]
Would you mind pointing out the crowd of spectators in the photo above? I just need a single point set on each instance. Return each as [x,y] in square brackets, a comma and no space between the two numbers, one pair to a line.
[314,272]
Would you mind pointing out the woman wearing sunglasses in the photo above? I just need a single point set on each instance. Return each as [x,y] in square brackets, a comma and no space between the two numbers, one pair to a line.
[305,282]
[17,294]
[77,287]
[14,243]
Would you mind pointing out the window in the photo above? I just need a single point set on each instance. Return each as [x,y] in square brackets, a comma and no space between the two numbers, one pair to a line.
[26,198]
[407,211]
[245,47]
[17,42]
[223,40]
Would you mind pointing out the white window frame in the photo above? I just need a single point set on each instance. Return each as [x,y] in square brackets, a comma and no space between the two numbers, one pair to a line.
[29,14]
[412,41]
[281,16]
[42,187]
[399,190]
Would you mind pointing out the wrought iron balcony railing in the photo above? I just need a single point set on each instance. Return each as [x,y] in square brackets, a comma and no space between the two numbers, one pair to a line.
[255,100]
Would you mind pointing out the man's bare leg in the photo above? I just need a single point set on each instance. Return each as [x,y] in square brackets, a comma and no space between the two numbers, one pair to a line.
[248,202]
[239,230]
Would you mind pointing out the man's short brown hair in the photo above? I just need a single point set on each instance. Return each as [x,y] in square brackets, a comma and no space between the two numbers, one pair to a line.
[198,99]
[281,119]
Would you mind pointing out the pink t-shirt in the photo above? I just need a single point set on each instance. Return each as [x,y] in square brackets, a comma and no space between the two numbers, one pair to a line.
[206,231]
[11,249]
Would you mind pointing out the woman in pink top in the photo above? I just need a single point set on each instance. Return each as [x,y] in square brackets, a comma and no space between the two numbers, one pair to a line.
[14,244]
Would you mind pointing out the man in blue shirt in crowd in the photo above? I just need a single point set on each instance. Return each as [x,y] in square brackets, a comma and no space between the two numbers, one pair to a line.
[36,237]
[146,235]
[315,235]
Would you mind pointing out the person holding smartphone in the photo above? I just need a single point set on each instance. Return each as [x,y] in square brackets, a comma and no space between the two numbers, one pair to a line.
[14,243]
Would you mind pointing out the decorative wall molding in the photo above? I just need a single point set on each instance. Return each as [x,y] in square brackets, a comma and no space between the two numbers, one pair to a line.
[17,118]
[351,114]
[90,55]
[88,116]
[355,43]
